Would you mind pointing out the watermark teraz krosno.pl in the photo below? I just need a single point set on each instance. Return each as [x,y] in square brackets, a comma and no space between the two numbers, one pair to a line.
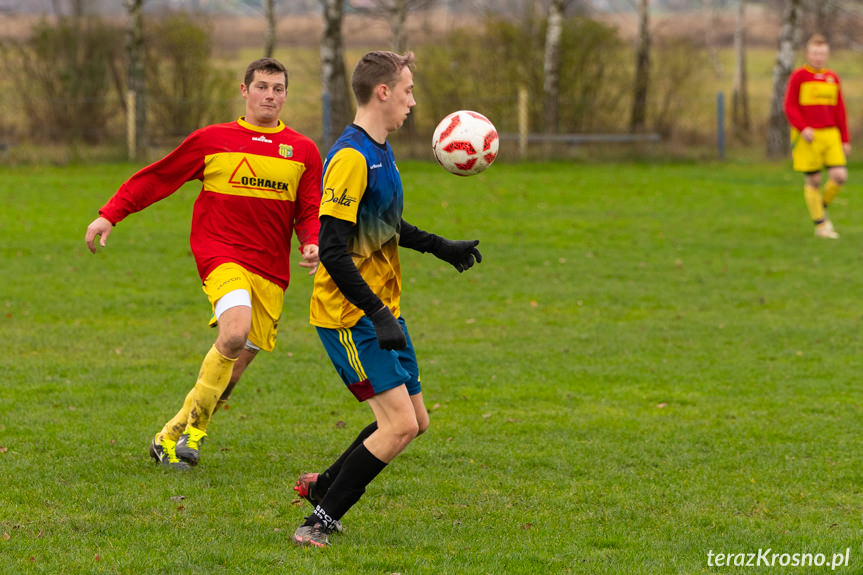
[770,558]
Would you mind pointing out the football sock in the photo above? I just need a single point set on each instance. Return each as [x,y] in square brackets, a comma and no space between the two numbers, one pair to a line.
[326,478]
[359,469]
[175,427]
[212,380]
[831,190]
[815,203]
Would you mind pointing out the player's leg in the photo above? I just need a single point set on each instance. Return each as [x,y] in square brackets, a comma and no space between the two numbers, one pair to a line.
[228,290]
[397,427]
[257,331]
[246,356]
[389,382]
[812,196]
[836,178]
[213,379]
[808,160]
[835,160]
[313,486]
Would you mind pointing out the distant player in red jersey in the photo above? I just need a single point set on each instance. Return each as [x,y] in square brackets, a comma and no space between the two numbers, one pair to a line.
[261,181]
[819,132]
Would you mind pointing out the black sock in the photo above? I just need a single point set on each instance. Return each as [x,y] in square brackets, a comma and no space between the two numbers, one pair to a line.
[326,478]
[359,468]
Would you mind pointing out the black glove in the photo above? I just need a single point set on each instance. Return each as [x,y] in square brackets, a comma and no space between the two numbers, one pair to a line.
[459,253]
[388,329]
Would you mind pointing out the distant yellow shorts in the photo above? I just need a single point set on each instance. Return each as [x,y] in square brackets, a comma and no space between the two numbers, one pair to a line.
[265,297]
[824,151]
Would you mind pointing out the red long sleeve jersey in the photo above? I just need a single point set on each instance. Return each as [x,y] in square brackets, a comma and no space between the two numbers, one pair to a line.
[258,185]
[813,99]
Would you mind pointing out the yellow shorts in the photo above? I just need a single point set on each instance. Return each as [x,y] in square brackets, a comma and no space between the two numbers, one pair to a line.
[266,299]
[824,151]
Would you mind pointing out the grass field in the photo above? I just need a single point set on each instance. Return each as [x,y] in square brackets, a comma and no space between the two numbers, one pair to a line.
[652,363]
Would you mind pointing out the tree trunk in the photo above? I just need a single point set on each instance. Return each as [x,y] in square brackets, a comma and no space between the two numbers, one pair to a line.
[740,97]
[710,39]
[638,118]
[270,40]
[398,17]
[337,103]
[137,81]
[777,127]
[551,68]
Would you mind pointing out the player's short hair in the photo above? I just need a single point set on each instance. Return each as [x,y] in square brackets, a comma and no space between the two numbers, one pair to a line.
[376,68]
[817,40]
[267,65]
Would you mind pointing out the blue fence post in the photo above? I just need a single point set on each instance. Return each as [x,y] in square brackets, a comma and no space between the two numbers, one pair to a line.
[720,124]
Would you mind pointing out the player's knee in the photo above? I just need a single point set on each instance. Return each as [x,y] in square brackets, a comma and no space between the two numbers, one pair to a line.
[405,432]
[422,426]
[232,342]
[422,422]
[839,177]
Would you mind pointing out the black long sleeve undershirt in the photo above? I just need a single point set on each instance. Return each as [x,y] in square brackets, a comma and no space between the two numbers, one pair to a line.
[416,239]
[333,251]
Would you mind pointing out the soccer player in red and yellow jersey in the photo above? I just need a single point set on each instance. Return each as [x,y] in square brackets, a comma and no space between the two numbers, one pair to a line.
[819,132]
[261,181]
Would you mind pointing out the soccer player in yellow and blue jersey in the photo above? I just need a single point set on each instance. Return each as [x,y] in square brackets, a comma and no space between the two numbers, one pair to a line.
[355,303]
[819,132]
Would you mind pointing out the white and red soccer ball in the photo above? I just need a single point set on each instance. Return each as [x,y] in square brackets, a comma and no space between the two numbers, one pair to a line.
[465,143]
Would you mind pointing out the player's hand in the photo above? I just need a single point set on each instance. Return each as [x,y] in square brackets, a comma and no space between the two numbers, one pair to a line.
[846,147]
[310,258]
[99,227]
[460,253]
[388,329]
[808,134]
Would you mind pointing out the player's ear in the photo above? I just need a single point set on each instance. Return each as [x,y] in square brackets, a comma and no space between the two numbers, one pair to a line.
[383,92]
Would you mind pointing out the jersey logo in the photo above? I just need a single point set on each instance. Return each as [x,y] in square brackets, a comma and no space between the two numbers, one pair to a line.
[245,177]
[329,197]
[286,150]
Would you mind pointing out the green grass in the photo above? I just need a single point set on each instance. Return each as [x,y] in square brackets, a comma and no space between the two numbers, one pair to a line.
[652,362]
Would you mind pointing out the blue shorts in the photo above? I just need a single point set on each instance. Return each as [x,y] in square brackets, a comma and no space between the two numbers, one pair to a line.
[366,368]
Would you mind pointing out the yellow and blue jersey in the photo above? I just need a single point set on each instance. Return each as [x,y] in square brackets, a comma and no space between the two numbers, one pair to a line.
[361,184]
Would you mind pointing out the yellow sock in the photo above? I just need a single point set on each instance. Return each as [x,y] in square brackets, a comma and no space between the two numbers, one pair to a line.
[175,427]
[212,380]
[831,190]
[814,202]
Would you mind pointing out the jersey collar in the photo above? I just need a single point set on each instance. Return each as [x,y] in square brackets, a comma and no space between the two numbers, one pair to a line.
[811,69]
[242,121]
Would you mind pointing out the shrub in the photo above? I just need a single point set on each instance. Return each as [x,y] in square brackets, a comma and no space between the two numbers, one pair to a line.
[68,69]
[185,91]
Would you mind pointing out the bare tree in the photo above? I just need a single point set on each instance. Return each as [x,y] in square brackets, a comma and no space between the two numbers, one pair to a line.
[638,118]
[136,78]
[337,103]
[551,68]
[740,98]
[777,127]
[395,12]
[270,38]
[710,38]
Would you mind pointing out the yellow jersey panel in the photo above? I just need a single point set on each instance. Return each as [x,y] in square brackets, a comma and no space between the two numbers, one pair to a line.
[819,93]
[239,174]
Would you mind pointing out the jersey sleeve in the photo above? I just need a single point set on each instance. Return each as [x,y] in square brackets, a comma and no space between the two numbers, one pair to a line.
[307,224]
[792,103]
[157,181]
[344,184]
[841,117]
